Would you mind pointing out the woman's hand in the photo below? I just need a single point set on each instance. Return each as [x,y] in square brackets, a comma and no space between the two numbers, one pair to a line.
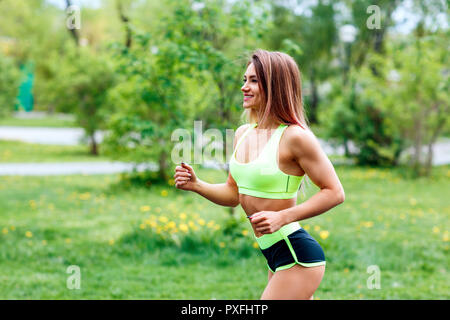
[267,221]
[185,178]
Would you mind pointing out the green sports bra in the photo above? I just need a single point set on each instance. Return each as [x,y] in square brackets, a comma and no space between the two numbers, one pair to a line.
[261,177]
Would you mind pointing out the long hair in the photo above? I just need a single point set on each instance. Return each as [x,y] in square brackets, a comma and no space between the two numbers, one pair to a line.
[279,82]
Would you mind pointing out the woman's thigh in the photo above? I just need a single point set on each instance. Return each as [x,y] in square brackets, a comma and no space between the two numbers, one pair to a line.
[297,282]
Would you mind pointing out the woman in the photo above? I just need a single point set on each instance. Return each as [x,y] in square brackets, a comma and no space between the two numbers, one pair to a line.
[271,156]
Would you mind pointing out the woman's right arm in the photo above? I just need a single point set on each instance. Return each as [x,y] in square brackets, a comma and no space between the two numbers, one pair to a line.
[224,194]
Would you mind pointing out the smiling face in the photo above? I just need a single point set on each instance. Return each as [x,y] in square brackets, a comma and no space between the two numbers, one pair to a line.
[250,88]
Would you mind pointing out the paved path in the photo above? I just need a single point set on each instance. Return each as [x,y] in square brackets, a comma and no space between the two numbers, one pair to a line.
[67,168]
[43,135]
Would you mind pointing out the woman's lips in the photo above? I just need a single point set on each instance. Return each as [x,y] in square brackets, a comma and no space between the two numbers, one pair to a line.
[247,98]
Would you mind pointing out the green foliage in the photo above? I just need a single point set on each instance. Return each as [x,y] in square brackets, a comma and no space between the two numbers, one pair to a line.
[9,85]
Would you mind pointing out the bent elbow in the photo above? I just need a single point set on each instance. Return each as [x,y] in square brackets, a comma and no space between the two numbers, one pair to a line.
[341,197]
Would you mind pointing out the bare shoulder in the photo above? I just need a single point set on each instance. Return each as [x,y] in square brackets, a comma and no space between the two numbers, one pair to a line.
[301,141]
[240,131]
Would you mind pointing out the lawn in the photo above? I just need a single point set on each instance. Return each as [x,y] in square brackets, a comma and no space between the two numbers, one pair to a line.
[48,121]
[163,243]
[16,151]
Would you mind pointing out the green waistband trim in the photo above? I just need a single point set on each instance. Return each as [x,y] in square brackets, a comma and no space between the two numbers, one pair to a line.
[267,240]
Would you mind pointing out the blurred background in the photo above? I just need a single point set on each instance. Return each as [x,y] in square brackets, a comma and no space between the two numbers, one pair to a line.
[91,93]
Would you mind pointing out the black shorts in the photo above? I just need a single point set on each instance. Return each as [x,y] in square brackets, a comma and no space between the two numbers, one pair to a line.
[297,247]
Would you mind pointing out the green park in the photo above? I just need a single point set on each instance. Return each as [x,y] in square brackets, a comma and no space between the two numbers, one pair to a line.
[91,93]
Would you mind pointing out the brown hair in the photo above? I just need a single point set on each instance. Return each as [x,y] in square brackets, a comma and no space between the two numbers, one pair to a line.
[280,87]
[279,82]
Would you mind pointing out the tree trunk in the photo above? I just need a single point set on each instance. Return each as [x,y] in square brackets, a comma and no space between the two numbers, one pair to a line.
[162,165]
[94,145]
[73,31]
[314,98]
[125,21]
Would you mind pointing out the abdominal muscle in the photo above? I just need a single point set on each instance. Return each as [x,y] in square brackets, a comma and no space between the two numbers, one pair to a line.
[252,205]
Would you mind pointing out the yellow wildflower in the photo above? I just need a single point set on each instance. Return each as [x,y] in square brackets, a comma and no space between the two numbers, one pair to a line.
[316,228]
[324,234]
[28,234]
[201,222]
[171,182]
[183,216]
[68,240]
[171,224]
[306,227]
[142,226]
[412,201]
[111,242]
[164,193]
[255,245]
[244,232]
[145,208]
[184,227]
[445,236]
[222,244]
[5,230]
[436,230]
[85,196]
[163,219]
[12,228]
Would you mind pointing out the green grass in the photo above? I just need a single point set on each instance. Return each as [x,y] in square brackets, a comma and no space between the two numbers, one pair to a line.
[48,121]
[16,151]
[387,220]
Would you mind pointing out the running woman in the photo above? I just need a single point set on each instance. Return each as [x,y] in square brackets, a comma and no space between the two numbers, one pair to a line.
[272,154]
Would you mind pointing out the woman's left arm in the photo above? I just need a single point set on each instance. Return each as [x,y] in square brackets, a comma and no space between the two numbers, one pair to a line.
[308,153]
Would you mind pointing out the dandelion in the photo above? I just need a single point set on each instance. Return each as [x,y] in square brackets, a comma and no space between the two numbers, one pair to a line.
[171,182]
[255,245]
[183,216]
[12,228]
[85,196]
[111,242]
[184,227]
[201,222]
[28,234]
[222,244]
[5,230]
[33,204]
[316,228]
[171,225]
[306,227]
[142,226]
[163,219]
[164,193]
[445,236]
[68,240]
[412,201]
[210,224]
[324,234]
[145,208]
[367,224]
[244,232]
[436,230]
[346,270]
[191,224]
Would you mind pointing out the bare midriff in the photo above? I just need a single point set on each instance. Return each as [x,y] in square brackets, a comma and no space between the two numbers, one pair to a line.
[252,205]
